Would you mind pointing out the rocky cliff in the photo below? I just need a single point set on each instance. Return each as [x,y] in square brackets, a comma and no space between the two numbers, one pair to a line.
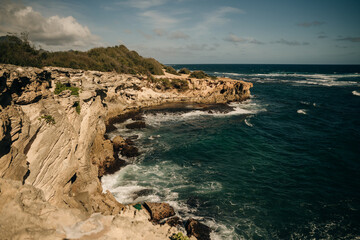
[52,147]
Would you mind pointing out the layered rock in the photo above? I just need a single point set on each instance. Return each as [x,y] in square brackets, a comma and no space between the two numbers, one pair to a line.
[47,146]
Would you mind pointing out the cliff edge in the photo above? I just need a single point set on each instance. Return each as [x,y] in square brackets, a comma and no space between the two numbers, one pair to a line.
[53,150]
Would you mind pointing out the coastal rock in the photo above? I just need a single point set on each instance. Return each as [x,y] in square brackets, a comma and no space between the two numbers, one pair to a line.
[197,229]
[174,221]
[129,151]
[136,125]
[64,159]
[118,142]
[159,211]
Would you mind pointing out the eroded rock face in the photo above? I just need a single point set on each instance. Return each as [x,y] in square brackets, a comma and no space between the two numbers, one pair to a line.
[159,211]
[63,158]
[197,229]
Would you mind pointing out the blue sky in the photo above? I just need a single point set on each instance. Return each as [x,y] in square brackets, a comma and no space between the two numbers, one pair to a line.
[197,31]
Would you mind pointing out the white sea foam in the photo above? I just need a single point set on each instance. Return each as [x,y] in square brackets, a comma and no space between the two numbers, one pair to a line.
[247,122]
[302,111]
[356,93]
[248,107]
[328,80]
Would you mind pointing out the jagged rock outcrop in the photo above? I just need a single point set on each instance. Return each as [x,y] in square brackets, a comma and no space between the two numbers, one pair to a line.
[58,150]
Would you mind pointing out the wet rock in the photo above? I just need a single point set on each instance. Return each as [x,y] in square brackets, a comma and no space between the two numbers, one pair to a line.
[129,141]
[174,221]
[136,125]
[193,202]
[197,229]
[159,211]
[143,192]
[118,142]
[129,151]
[138,117]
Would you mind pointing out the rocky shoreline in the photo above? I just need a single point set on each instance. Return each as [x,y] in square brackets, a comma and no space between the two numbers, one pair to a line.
[54,150]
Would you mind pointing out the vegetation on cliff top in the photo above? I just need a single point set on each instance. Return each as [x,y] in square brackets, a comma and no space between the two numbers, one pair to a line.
[14,50]
[200,75]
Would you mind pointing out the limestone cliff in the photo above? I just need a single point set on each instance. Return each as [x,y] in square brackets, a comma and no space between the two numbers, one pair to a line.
[52,146]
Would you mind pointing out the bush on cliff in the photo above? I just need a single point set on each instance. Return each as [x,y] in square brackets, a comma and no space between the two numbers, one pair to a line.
[62,87]
[171,70]
[15,51]
[166,83]
[201,75]
[184,71]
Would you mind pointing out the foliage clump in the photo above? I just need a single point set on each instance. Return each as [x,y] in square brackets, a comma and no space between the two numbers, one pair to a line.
[77,107]
[60,87]
[201,75]
[171,70]
[166,83]
[48,119]
[14,50]
[184,71]
[178,236]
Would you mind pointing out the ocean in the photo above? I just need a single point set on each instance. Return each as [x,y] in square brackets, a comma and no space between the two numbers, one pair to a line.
[282,165]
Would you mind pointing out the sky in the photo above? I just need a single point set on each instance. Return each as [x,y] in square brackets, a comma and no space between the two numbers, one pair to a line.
[195,31]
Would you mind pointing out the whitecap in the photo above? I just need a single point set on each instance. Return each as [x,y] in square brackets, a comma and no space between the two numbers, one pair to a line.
[356,93]
[248,123]
[301,111]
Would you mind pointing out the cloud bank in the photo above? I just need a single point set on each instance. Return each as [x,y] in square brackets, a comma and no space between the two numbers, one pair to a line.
[52,31]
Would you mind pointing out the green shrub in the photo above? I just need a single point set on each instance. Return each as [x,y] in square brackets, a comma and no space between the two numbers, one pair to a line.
[62,87]
[184,71]
[137,206]
[48,119]
[201,75]
[15,51]
[178,236]
[198,74]
[171,70]
[77,107]
[180,84]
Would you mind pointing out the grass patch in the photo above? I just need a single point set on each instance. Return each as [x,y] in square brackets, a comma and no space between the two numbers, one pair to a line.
[184,71]
[77,107]
[166,83]
[201,75]
[171,70]
[179,236]
[48,119]
[60,87]
[137,206]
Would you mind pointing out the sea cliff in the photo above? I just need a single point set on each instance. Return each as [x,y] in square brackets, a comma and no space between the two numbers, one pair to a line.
[53,149]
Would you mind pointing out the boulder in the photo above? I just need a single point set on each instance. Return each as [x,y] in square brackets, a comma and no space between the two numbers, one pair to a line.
[118,142]
[129,151]
[195,228]
[159,211]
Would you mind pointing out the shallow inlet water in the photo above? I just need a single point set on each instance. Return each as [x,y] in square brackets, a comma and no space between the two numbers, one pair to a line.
[281,165]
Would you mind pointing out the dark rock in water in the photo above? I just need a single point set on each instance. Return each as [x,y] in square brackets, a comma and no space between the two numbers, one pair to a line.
[133,137]
[129,141]
[136,125]
[138,117]
[193,202]
[143,192]
[174,221]
[129,151]
[197,229]
[159,211]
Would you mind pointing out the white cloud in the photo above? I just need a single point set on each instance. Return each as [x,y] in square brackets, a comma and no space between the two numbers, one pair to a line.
[178,35]
[158,19]
[144,4]
[291,43]
[160,32]
[235,39]
[51,31]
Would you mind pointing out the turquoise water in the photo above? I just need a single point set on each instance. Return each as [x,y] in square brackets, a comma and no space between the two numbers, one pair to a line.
[282,165]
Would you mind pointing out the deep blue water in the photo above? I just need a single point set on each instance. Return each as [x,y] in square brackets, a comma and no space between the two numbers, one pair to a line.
[282,165]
